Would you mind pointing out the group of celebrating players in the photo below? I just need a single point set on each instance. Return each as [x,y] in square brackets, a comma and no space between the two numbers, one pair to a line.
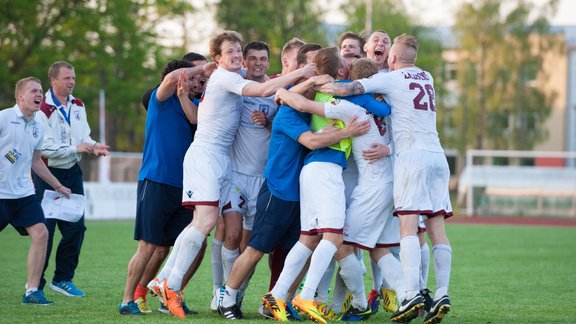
[266,161]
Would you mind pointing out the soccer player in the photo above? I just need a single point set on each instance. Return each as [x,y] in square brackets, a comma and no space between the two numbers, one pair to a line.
[249,155]
[377,47]
[289,53]
[351,43]
[20,143]
[207,169]
[421,172]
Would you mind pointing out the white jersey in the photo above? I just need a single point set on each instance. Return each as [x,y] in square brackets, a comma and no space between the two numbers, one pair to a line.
[410,92]
[375,173]
[19,138]
[250,148]
[219,111]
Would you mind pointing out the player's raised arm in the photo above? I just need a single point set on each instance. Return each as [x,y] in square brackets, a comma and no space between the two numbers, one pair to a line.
[299,102]
[342,89]
[170,81]
[269,87]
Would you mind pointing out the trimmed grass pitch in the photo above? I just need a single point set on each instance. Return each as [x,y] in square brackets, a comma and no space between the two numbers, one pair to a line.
[500,274]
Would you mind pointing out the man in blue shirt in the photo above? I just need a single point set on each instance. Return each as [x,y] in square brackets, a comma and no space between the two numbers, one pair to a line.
[160,216]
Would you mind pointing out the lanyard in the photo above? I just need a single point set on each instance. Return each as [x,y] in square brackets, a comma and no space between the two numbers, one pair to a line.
[62,110]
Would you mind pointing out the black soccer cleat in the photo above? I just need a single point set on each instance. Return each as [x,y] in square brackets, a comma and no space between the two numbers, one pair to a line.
[408,310]
[439,309]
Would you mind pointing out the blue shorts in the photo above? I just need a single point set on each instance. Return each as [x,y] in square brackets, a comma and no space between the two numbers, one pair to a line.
[21,213]
[160,216]
[277,222]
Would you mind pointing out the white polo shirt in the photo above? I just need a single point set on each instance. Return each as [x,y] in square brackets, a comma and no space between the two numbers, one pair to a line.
[18,140]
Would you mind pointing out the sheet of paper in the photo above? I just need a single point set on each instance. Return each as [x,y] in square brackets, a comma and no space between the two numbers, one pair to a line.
[55,205]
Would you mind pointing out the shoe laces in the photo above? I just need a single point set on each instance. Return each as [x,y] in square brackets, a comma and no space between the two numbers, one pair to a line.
[133,307]
[272,302]
[38,297]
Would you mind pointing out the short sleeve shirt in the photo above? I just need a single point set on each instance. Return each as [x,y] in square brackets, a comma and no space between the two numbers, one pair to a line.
[19,138]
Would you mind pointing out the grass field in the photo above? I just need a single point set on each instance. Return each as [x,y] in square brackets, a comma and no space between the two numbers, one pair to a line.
[500,274]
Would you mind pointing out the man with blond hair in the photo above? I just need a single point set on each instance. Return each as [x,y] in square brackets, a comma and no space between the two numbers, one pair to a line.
[20,142]
[288,55]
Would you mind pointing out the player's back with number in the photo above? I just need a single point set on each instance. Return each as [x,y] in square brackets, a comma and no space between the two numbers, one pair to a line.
[410,92]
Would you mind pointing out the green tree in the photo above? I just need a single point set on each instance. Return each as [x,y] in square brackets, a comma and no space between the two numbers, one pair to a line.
[501,55]
[273,22]
[111,43]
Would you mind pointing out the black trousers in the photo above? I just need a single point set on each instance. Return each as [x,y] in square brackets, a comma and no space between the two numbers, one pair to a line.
[68,252]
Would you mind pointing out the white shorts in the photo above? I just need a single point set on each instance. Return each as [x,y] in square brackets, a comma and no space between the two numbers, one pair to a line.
[369,218]
[243,196]
[322,202]
[207,177]
[421,181]
[350,177]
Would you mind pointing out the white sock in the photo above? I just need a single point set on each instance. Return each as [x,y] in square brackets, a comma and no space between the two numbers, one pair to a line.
[321,258]
[395,250]
[324,284]
[229,296]
[393,275]
[351,272]
[360,256]
[169,264]
[376,275]
[191,244]
[295,261]
[442,266]
[410,256]
[228,258]
[340,291]
[30,290]
[424,265]
[217,270]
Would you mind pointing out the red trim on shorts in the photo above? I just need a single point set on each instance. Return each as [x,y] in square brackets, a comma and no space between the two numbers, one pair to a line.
[412,212]
[309,233]
[440,213]
[387,245]
[331,230]
[422,229]
[427,213]
[227,206]
[360,246]
[192,204]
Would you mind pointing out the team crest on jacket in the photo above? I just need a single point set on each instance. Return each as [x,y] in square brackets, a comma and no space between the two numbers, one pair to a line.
[77,115]
[35,131]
